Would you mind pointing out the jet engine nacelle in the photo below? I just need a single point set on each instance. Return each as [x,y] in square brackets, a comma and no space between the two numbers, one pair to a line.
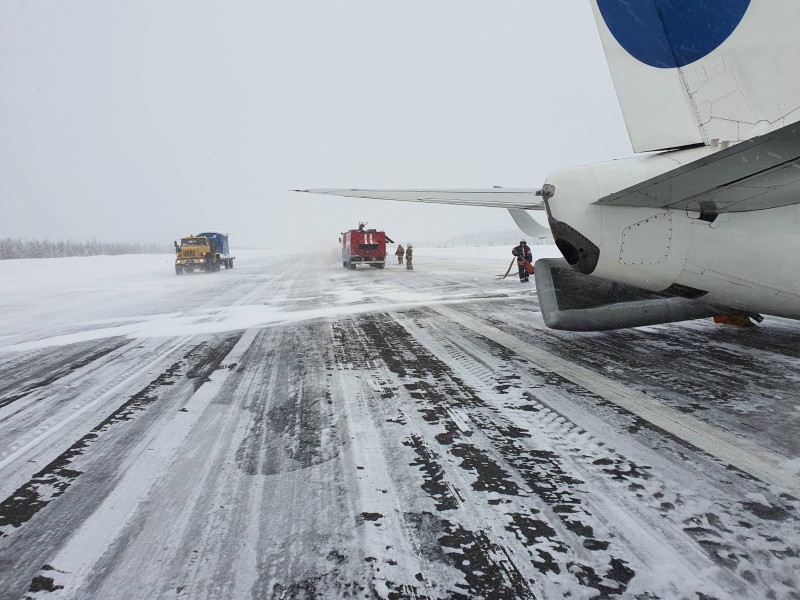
[572,301]
[739,260]
[638,246]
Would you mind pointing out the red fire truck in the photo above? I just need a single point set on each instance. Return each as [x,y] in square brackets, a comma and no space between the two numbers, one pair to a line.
[364,247]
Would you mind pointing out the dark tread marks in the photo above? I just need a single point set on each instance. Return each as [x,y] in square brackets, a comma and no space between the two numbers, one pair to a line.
[63,367]
[56,477]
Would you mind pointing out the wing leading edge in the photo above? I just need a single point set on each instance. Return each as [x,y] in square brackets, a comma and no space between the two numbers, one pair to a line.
[756,174]
[513,198]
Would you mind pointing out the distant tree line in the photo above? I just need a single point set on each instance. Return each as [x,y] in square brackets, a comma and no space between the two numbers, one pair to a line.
[17,248]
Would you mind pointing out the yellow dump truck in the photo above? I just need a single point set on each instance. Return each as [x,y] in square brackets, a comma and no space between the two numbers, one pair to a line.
[205,251]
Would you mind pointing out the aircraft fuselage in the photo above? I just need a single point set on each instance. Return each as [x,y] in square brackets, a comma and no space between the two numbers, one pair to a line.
[740,260]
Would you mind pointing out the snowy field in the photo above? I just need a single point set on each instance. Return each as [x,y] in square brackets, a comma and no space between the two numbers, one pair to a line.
[292,429]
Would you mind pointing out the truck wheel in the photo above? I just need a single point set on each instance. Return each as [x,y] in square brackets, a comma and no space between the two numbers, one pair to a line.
[352,266]
[379,266]
[230,264]
[178,270]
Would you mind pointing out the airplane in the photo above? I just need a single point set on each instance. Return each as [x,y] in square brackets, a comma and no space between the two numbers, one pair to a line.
[707,221]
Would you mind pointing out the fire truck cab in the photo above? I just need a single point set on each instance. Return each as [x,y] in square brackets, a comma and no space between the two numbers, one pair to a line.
[364,247]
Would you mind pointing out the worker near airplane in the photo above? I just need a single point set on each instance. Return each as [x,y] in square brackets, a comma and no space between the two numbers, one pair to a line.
[524,260]
[409,257]
[399,253]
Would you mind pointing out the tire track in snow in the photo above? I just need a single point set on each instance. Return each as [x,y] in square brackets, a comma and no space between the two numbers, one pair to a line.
[741,380]
[437,395]
[260,483]
[488,568]
[83,464]
[72,564]
[55,478]
[33,433]
[747,538]
[37,430]
[756,460]
[35,376]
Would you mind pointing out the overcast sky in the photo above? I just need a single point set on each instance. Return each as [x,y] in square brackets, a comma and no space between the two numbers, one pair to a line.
[141,120]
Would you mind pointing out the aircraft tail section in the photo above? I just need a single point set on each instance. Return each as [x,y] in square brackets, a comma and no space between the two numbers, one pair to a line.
[691,72]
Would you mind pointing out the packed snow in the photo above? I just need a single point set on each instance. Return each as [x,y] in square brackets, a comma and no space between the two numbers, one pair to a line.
[293,429]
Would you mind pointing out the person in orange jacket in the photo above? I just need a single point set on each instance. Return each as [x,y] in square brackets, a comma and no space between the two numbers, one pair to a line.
[524,258]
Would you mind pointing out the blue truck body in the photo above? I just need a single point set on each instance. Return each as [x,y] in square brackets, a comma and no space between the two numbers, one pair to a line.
[220,241]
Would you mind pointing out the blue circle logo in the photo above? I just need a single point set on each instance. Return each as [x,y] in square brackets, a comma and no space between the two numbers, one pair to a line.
[671,33]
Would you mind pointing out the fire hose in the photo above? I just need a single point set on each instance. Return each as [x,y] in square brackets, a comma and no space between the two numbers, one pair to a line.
[509,269]
[528,268]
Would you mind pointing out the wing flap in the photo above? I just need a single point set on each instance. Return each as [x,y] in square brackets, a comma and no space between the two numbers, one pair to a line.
[515,198]
[756,174]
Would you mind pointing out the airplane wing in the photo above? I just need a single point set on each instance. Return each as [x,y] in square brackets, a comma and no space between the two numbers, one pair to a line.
[756,174]
[512,198]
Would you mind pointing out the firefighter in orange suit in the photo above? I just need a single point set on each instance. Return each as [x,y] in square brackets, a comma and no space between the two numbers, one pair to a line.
[399,253]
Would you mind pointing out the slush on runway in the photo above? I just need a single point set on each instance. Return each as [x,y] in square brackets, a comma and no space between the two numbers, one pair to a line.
[293,429]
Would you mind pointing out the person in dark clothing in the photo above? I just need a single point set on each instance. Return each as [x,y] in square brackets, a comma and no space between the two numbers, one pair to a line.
[399,253]
[524,258]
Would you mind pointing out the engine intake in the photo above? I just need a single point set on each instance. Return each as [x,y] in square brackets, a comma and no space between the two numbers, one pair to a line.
[578,250]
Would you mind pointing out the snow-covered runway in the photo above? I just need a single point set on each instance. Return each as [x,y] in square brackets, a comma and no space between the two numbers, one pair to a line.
[291,429]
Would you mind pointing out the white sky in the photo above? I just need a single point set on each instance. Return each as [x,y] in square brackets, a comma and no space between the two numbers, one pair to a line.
[143,120]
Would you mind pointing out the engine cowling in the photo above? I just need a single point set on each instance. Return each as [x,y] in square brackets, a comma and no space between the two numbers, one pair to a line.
[572,301]
[638,246]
